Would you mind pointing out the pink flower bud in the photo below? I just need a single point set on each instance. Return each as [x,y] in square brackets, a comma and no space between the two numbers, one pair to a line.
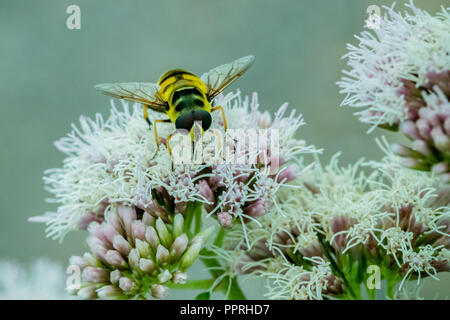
[441,141]
[424,129]
[225,219]
[287,174]
[256,209]
[121,245]
[138,230]
[97,247]
[401,150]
[441,167]
[179,246]
[152,237]
[87,219]
[109,232]
[115,259]
[128,215]
[430,116]
[204,189]
[97,275]
[447,125]
[409,128]
[421,147]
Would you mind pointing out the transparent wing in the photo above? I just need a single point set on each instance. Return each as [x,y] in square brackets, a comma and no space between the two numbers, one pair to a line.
[142,92]
[219,78]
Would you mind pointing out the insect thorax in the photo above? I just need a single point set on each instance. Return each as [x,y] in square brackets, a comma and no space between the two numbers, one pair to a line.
[183,90]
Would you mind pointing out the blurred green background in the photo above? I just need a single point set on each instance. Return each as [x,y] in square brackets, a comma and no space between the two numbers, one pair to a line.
[47,73]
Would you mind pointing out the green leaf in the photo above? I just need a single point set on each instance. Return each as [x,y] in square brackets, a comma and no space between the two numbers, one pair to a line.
[203,296]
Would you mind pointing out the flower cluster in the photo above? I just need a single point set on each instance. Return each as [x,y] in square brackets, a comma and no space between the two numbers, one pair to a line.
[400,76]
[338,223]
[134,256]
[117,161]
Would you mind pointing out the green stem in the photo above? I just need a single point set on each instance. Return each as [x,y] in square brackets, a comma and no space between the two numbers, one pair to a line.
[198,220]
[391,283]
[209,260]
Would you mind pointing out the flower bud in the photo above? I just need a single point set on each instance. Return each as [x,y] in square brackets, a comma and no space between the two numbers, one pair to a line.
[126,284]
[225,219]
[441,167]
[115,259]
[256,209]
[114,276]
[161,254]
[138,230]
[143,247]
[133,258]
[91,260]
[179,277]
[128,215]
[87,293]
[178,225]
[121,245]
[164,235]
[159,291]
[178,247]
[146,265]
[287,174]
[424,129]
[152,237]
[148,220]
[164,276]
[441,141]
[409,128]
[109,292]
[96,275]
[421,147]
[190,256]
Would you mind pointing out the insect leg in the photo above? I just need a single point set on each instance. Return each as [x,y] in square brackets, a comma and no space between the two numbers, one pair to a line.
[223,115]
[168,144]
[156,131]
[145,109]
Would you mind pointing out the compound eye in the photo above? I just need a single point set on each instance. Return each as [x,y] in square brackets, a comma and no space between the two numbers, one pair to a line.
[180,106]
[187,120]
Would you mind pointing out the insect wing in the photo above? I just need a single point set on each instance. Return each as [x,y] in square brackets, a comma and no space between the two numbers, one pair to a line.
[219,78]
[141,92]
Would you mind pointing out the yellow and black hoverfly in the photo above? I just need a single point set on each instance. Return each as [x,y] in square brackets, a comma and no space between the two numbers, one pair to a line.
[183,96]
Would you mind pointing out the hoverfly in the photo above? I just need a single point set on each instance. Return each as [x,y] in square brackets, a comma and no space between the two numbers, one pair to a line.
[184,97]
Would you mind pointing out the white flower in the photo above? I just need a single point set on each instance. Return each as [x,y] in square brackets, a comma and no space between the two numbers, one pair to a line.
[295,283]
[405,47]
[41,280]
[117,161]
